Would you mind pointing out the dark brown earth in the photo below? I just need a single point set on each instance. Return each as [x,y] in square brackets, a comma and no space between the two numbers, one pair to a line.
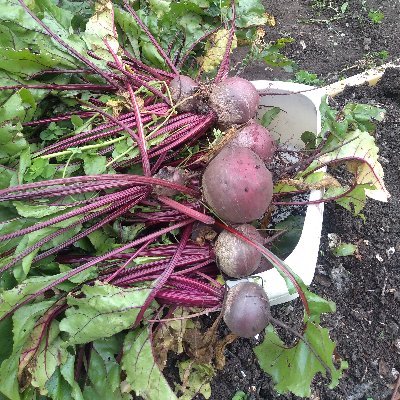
[366,289]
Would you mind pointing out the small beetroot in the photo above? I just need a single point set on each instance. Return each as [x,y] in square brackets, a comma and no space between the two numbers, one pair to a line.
[235,257]
[246,309]
[234,100]
[182,89]
[170,174]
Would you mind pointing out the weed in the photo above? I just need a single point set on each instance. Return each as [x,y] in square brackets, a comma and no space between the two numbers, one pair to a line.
[337,11]
[376,16]
[382,54]
[240,396]
[307,78]
[268,52]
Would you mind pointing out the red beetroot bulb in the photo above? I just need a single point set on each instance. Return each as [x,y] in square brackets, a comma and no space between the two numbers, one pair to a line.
[182,89]
[246,309]
[234,100]
[235,257]
[237,185]
[257,138]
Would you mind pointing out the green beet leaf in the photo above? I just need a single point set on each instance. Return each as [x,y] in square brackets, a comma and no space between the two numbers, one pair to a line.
[102,311]
[50,355]
[100,27]
[5,342]
[37,211]
[10,298]
[94,164]
[67,371]
[250,13]
[6,175]
[104,372]
[24,32]
[42,352]
[353,201]
[58,388]
[142,372]
[25,63]
[294,368]
[269,116]
[24,320]
[20,272]
[361,153]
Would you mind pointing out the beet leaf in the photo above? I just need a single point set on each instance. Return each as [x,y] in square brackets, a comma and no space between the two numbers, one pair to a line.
[24,321]
[142,372]
[92,315]
[293,367]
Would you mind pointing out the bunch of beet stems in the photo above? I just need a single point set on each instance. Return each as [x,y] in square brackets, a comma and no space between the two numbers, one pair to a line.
[103,208]
[187,270]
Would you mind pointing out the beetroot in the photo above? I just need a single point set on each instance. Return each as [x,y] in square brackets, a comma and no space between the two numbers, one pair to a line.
[257,138]
[235,257]
[237,185]
[170,174]
[182,87]
[264,265]
[234,100]
[246,309]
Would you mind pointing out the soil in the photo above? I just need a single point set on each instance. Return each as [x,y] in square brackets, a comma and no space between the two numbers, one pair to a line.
[366,288]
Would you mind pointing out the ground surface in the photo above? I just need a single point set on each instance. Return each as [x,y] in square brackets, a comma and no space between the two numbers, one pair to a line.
[366,290]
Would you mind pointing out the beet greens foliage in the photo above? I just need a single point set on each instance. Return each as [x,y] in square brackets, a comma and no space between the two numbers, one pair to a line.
[106,244]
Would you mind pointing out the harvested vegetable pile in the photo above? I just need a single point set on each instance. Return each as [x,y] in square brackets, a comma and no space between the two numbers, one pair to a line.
[122,184]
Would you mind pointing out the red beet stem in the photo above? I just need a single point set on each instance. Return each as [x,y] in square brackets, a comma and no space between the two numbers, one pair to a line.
[187,299]
[11,193]
[60,71]
[121,209]
[190,212]
[159,283]
[64,117]
[138,82]
[136,138]
[108,199]
[168,250]
[142,272]
[139,123]
[224,67]
[71,86]
[133,256]
[48,238]
[155,72]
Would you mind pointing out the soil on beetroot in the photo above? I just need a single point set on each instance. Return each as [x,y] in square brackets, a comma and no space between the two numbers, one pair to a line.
[365,287]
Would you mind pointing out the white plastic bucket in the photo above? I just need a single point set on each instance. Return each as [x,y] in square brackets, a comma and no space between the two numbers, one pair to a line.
[300,113]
